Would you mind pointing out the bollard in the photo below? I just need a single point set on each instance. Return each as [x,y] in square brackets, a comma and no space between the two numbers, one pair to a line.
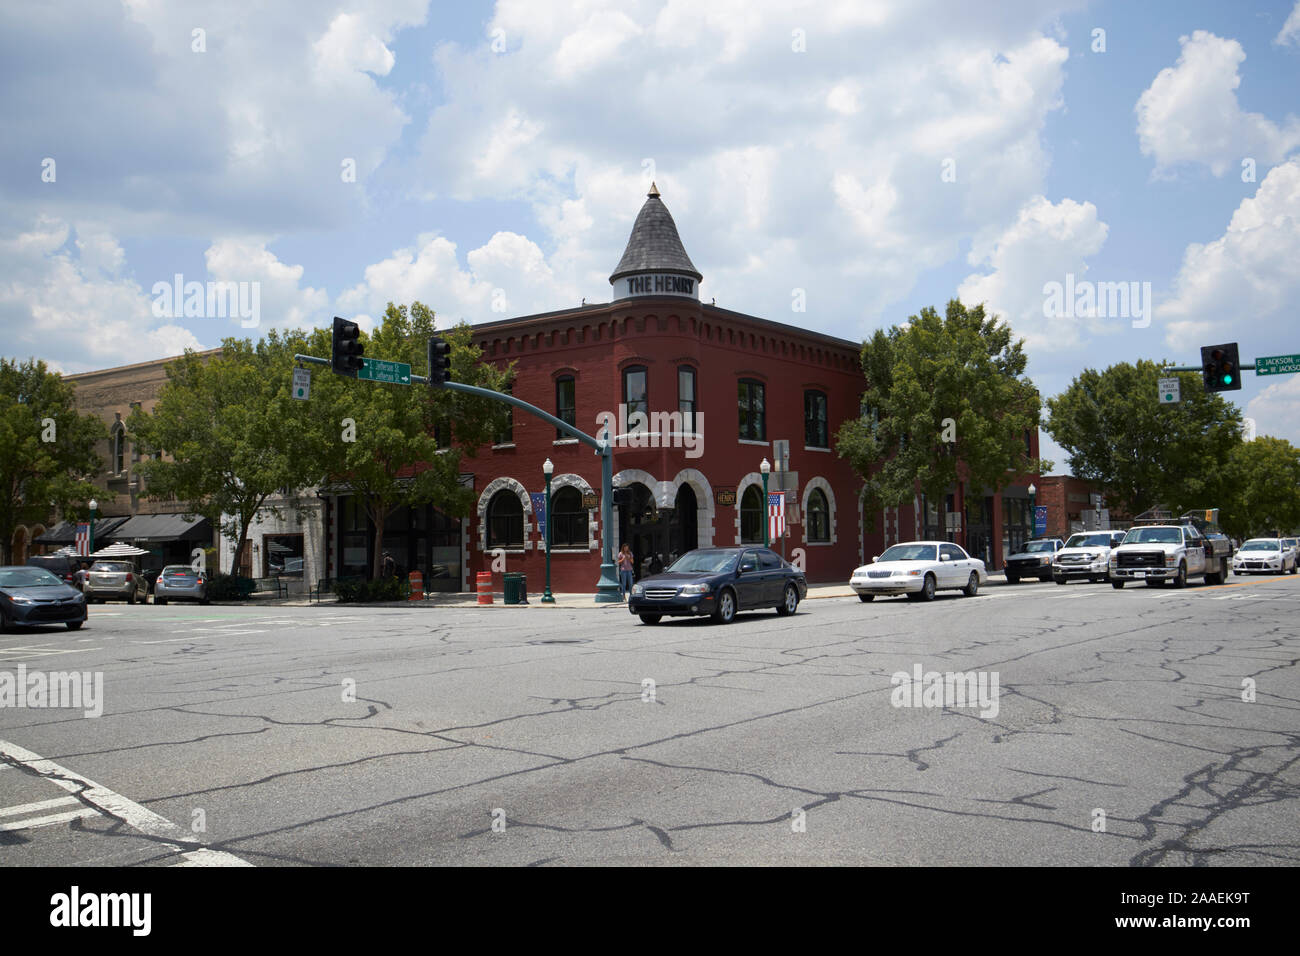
[485,587]
[417,586]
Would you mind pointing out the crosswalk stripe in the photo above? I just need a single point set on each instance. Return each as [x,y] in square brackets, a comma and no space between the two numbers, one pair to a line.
[38,805]
[31,823]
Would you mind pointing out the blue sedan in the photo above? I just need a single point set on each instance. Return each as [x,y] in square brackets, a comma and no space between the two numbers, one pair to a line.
[718,582]
[32,596]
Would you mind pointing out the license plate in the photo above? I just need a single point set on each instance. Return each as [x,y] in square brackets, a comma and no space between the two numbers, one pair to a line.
[1139,574]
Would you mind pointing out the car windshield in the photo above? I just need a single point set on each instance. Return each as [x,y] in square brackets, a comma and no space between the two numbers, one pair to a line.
[27,578]
[1154,536]
[1033,546]
[708,562]
[1088,541]
[115,566]
[1260,546]
[909,552]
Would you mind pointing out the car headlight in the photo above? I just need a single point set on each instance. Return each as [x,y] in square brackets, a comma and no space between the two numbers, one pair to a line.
[696,589]
[638,589]
[20,599]
[1114,560]
[1171,560]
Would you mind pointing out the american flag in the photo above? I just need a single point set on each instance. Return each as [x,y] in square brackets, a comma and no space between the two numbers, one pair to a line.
[775,515]
[83,540]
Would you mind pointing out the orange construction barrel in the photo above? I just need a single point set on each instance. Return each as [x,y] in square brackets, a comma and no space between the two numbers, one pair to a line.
[485,587]
[417,586]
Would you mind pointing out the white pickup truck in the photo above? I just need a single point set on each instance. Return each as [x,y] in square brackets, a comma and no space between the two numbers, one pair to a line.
[1172,552]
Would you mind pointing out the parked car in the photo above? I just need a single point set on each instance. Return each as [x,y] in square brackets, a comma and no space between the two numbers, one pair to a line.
[719,582]
[30,596]
[180,582]
[919,569]
[1085,555]
[1034,560]
[151,578]
[115,581]
[1264,556]
[60,565]
[1294,545]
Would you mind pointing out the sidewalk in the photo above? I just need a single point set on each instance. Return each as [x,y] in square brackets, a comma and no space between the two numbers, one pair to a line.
[582,600]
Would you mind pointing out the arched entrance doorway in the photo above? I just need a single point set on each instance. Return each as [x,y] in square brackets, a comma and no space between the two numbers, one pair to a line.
[642,526]
[683,532]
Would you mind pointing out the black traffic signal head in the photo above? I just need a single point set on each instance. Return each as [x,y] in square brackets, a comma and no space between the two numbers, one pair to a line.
[345,348]
[1221,367]
[439,360]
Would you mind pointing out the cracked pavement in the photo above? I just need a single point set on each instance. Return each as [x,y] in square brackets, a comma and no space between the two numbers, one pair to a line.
[339,735]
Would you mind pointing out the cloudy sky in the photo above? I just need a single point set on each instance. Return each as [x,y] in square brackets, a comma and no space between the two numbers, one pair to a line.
[488,160]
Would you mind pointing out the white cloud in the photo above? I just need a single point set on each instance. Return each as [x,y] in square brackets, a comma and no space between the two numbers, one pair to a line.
[1276,409]
[1249,273]
[1289,35]
[1190,113]
[282,303]
[1047,242]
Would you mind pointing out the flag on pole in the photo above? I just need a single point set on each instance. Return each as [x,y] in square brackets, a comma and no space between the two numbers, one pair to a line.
[83,540]
[775,515]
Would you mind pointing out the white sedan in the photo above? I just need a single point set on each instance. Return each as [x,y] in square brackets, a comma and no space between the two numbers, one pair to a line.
[919,569]
[1264,556]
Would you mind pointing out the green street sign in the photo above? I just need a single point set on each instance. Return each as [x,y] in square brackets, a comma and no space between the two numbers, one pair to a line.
[1277,364]
[377,370]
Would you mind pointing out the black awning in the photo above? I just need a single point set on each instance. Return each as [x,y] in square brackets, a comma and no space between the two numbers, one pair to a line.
[65,532]
[166,527]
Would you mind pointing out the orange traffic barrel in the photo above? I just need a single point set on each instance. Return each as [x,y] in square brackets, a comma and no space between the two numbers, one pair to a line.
[417,585]
[485,587]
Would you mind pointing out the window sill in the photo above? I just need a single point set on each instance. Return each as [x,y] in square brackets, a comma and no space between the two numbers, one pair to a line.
[816,448]
[504,446]
[565,441]
[504,550]
[818,544]
[750,441]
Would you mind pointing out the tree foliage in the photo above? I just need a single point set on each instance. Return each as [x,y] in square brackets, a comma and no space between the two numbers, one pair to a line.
[47,449]
[1263,496]
[946,400]
[1140,452]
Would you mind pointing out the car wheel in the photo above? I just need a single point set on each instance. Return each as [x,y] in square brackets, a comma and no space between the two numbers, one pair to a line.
[726,612]
[866,598]
[650,618]
[4,623]
[791,602]
[1117,585]
[972,587]
[130,598]
[75,625]
[1059,580]
[1180,579]
[1013,578]
[927,589]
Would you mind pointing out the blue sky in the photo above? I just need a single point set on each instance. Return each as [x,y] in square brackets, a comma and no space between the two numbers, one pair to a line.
[880,157]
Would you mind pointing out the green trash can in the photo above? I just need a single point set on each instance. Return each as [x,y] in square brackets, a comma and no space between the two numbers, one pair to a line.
[516,588]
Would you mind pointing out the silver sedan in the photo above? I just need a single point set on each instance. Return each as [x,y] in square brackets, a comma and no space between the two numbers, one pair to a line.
[180,582]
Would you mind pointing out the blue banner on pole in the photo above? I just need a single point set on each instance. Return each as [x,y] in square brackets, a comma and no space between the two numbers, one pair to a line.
[1040,520]
[539,509]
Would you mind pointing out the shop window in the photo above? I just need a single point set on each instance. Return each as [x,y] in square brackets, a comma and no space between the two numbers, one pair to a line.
[283,554]
[752,516]
[568,519]
[505,521]
[815,428]
[818,517]
[753,418]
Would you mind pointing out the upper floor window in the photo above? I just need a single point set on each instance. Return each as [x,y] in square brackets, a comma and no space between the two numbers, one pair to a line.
[686,397]
[119,449]
[816,432]
[566,403]
[507,434]
[753,417]
[635,391]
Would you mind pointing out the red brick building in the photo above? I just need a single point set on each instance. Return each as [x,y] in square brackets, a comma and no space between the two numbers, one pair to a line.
[1072,504]
[698,396]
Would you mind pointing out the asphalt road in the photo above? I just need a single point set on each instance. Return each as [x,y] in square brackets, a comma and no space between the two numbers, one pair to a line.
[230,735]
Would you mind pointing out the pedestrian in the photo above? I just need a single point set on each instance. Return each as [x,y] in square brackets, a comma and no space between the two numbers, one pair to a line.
[624,572]
[389,568]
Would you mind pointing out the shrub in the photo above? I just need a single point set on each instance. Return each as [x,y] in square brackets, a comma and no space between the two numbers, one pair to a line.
[229,587]
[356,591]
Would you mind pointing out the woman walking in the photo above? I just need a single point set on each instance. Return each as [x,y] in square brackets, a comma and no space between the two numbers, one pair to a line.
[624,572]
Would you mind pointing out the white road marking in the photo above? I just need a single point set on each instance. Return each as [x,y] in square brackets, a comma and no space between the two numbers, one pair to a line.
[115,805]
[44,652]
[34,822]
[39,805]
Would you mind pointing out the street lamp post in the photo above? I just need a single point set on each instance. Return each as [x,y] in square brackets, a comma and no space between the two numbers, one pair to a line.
[1033,512]
[548,467]
[94,506]
[766,469]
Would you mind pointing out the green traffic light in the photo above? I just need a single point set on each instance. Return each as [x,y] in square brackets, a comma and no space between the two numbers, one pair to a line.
[1227,380]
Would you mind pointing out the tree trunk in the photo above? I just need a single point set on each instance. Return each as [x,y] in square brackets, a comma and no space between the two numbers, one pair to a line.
[378,513]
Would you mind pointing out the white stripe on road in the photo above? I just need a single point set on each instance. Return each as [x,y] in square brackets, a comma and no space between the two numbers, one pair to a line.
[39,805]
[35,822]
[115,805]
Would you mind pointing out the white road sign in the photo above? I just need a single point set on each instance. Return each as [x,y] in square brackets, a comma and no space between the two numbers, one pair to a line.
[301,383]
[1169,391]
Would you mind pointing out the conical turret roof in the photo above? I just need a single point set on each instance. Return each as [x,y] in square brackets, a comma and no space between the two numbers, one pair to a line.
[654,245]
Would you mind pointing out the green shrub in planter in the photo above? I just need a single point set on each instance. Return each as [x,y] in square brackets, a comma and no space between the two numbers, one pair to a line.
[229,587]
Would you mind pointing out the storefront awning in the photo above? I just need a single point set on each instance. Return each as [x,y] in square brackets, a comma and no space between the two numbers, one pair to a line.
[65,532]
[170,527]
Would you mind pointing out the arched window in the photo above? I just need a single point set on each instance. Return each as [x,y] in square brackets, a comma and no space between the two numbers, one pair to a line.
[752,516]
[505,521]
[819,517]
[119,449]
[569,519]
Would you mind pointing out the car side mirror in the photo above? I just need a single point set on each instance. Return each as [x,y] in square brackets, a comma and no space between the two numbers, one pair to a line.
[945,557]
[875,558]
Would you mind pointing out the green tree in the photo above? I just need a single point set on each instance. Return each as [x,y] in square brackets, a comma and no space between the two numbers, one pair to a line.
[1140,452]
[382,440]
[1263,481]
[232,434]
[47,449]
[946,401]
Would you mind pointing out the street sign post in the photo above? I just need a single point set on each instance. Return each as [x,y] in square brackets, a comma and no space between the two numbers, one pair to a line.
[301,384]
[1169,394]
[1277,364]
[377,370]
